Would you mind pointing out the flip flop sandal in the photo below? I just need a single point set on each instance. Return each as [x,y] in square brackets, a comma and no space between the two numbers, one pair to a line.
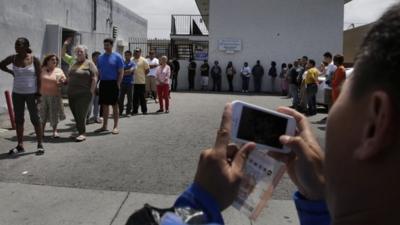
[15,150]
[115,131]
[40,150]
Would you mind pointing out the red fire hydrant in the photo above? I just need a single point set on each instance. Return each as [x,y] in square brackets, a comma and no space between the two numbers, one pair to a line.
[10,108]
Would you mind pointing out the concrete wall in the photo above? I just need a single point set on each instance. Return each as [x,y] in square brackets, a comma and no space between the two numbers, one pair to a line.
[279,30]
[31,19]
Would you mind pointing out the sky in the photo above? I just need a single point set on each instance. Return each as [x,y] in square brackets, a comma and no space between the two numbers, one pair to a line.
[357,12]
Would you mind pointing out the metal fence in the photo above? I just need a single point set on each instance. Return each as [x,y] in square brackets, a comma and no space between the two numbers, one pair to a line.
[179,49]
[189,25]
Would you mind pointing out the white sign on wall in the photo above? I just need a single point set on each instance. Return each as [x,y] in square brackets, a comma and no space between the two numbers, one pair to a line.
[230,45]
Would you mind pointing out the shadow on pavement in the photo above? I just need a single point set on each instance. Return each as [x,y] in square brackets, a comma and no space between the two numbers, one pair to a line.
[15,156]
[232,93]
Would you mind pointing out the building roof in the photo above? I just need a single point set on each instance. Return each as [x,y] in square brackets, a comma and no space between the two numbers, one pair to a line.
[203,6]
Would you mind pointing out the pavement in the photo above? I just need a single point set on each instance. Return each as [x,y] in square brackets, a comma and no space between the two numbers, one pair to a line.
[25,204]
[107,177]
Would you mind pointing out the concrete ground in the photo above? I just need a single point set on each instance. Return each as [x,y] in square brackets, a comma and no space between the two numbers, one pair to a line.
[107,177]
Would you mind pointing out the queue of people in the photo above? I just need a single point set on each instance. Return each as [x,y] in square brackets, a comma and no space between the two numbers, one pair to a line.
[298,80]
[92,85]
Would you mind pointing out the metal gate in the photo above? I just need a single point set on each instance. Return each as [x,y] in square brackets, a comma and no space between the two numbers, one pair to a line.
[181,49]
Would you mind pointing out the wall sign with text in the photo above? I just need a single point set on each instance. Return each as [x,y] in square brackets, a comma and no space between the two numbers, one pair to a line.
[230,45]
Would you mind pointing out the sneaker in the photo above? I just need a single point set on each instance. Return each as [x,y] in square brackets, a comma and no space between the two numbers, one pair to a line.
[159,111]
[167,111]
[80,138]
[127,115]
[99,120]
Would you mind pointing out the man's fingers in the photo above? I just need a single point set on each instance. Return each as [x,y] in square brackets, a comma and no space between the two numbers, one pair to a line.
[224,132]
[296,144]
[301,120]
[241,157]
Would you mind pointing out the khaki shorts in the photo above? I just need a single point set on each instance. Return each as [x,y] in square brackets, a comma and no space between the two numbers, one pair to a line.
[151,84]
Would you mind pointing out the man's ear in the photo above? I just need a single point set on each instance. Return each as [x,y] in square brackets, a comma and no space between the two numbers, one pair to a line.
[379,127]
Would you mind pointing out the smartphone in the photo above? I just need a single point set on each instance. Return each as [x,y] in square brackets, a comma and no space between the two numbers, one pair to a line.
[260,125]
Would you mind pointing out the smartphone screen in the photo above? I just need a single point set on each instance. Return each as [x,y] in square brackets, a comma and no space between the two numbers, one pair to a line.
[261,127]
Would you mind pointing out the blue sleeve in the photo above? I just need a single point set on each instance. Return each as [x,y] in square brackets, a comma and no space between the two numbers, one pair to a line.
[311,212]
[99,62]
[197,198]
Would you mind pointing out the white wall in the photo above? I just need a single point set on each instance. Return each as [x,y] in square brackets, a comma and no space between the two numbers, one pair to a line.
[28,18]
[279,30]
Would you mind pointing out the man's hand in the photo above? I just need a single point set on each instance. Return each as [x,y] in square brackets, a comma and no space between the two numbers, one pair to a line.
[220,169]
[68,41]
[305,163]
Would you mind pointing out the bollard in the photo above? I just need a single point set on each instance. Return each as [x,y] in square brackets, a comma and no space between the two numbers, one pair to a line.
[10,108]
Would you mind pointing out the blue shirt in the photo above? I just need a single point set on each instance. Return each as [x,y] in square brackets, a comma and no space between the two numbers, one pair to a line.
[109,64]
[128,79]
[310,212]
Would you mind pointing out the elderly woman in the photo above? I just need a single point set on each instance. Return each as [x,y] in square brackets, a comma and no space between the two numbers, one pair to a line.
[82,86]
[163,73]
[26,86]
[51,107]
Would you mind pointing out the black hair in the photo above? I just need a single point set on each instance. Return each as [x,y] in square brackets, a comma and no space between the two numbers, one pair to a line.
[128,52]
[290,65]
[312,62]
[109,40]
[273,63]
[338,59]
[284,65]
[305,58]
[25,43]
[328,55]
[377,64]
[95,53]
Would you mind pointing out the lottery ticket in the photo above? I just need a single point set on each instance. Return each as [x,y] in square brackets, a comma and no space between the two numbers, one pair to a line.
[262,174]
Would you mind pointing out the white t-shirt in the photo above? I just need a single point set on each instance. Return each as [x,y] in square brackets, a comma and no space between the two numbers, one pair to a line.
[245,71]
[330,69]
[151,63]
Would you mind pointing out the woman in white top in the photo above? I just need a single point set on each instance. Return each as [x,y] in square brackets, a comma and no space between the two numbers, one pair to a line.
[163,73]
[26,73]
[245,72]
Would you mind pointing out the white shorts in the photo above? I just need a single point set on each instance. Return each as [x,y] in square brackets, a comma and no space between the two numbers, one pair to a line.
[204,81]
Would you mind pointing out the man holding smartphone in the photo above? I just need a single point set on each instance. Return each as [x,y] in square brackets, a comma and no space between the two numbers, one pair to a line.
[356,182]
